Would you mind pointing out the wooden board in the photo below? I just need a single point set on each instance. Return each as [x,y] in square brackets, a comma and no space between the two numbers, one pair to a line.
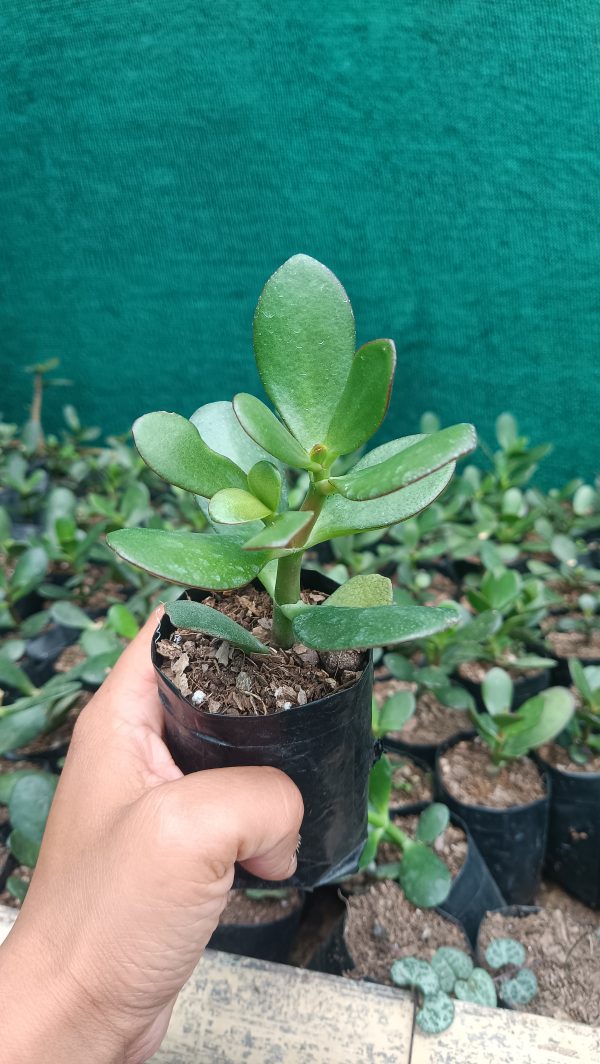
[235,1010]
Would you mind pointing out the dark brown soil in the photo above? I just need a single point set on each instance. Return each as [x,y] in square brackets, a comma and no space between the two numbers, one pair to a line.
[220,679]
[432,722]
[381,926]
[69,658]
[241,909]
[563,954]
[468,774]
[476,671]
[558,757]
[384,689]
[96,592]
[21,873]
[410,782]
[575,644]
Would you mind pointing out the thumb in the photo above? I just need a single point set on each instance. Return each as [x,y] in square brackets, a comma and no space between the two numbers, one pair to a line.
[220,816]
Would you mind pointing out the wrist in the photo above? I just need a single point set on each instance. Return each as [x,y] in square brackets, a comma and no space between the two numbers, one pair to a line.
[49,1018]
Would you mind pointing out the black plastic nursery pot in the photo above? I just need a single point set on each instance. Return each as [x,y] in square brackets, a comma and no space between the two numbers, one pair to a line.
[270,941]
[573,848]
[325,747]
[424,753]
[524,687]
[511,841]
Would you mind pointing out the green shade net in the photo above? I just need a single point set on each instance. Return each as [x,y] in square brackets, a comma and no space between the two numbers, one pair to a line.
[160,158]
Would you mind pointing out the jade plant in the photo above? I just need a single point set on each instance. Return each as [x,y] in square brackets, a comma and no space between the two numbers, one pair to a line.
[452,972]
[328,400]
[424,878]
[582,737]
[511,735]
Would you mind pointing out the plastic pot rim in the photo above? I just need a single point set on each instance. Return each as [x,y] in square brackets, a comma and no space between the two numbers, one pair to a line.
[488,808]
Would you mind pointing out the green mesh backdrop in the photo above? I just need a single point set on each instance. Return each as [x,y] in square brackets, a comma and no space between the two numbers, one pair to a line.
[161,157]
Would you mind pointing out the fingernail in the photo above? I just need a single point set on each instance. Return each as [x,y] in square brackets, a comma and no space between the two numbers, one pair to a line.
[294,857]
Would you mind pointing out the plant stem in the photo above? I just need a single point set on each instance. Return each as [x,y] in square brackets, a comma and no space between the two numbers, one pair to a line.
[287,589]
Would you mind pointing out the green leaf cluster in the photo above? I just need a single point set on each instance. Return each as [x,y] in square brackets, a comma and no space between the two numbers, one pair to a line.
[509,734]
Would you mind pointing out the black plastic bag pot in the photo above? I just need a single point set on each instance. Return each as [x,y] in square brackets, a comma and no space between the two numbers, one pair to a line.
[270,941]
[525,687]
[474,890]
[573,848]
[325,747]
[424,753]
[511,841]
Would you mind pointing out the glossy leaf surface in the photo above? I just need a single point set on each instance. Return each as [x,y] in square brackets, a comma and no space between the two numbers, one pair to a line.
[281,532]
[234,506]
[265,429]
[304,342]
[341,517]
[264,481]
[200,618]
[406,467]
[364,401]
[172,446]
[188,558]
[371,590]
[222,432]
[344,628]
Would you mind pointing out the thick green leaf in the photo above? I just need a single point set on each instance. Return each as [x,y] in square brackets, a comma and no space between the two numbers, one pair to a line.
[500,589]
[20,727]
[264,481]
[503,951]
[267,430]
[95,670]
[17,887]
[96,641]
[364,401]
[406,467]
[557,709]
[70,615]
[423,877]
[304,341]
[234,506]
[394,714]
[478,988]
[341,517]
[30,802]
[497,691]
[200,618]
[12,675]
[282,531]
[193,559]
[380,785]
[172,446]
[122,621]
[507,432]
[25,850]
[8,781]
[372,590]
[519,990]
[412,971]
[457,960]
[29,572]
[432,822]
[436,1013]
[345,628]
[222,432]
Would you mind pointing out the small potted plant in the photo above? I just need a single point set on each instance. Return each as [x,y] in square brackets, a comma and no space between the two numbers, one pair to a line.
[497,790]
[573,764]
[280,676]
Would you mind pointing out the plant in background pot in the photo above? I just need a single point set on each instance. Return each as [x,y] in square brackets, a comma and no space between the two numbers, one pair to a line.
[497,789]
[573,765]
[261,701]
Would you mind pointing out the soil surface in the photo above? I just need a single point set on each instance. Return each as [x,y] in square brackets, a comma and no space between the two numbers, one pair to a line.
[385,688]
[468,775]
[410,782]
[381,926]
[563,954]
[432,722]
[215,676]
[551,896]
[476,671]
[69,657]
[96,591]
[575,644]
[558,757]
[241,909]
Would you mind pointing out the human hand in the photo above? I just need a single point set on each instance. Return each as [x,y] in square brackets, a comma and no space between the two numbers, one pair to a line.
[134,871]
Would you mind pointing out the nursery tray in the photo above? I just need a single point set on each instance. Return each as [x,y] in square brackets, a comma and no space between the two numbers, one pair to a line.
[235,1009]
